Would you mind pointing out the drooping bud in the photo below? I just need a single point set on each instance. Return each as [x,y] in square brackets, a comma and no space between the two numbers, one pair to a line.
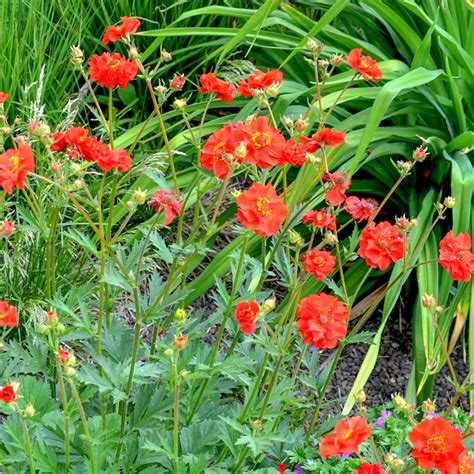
[165,56]
[161,90]
[314,46]
[179,104]
[428,406]
[336,60]
[330,238]
[77,56]
[428,301]
[241,150]
[295,238]
[269,305]
[287,121]
[360,396]
[420,153]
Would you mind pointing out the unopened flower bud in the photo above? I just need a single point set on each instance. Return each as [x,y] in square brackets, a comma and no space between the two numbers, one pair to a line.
[165,56]
[295,238]
[77,56]
[439,309]
[180,314]
[133,53]
[404,166]
[43,129]
[61,328]
[449,202]
[410,408]
[362,409]
[236,193]
[169,352]
[399,402]
[428,301]
[439,206]
[52,317]
[70,371]
[177,82]
[398,465]
[179,104]
[330,238]
[130,204]
[43,329]
[314,46]
[336,60]
[257,424]
[360,396]
[184,373]
[312,158]
[389,458]
[139,196]
[287,121]
[428,406]
[29,410]
[6,130]
[326,76]
[301,125]
[56,167]
[269,305]
[241,150]
[2,346]
[273,89]
[323,63]
[420,153]
[2,118]
[78,184]
[18,121]
[161,90]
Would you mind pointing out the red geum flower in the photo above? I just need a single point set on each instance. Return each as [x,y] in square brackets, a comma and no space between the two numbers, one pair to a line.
[465,466]
[294,153]
[437,444]
[340,182]
[169,202]
[322,320]
[108,159]
[180,342]
[455,255]
[52,317]
[220,147]
[367,468]
[265,143]
[361,209]
[63,355]
[112,70]
[321,219]
[347,437]
[7,228]
[319,263]
[7,394]
[3,97]
[212,84]
[381,244]
[282,468]
[324,137]
[365,65]
[129,26]
[246,313]
[260,80]
[14,166]
[177,82]
[7,315]
[261,209]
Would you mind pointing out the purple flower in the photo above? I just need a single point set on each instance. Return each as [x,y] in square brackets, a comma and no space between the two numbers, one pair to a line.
[299,469]
[344,456]
[380,423]
[312,347]
[431,415]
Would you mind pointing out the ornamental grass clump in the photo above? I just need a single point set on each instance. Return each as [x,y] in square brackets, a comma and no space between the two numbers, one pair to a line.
[112,368]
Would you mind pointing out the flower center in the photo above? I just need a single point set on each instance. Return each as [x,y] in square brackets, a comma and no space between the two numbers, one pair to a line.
[261,139]
[347,434]
[363,63]
[15,161]
[3,315]
[383,244]
[249,315]
[323,320]
[113,64]
[220,150]
[436,444]
[262,206]
[461,255]
[319,261]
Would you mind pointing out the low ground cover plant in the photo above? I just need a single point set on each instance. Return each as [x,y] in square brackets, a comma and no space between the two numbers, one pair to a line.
[109,363]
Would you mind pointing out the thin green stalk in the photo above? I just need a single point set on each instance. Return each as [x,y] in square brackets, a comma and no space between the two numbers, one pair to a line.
[176,417]
[62,391]
[29,454]
[85,425]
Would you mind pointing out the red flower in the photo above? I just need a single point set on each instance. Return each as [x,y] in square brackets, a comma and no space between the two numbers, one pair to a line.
[347,437]
[282,468]
[319,263]
[52,317]
[7,315]
[340,182]
[63,355]
[220,148]
[381,244]
[177,82]
[261,209]
[266,144]
[223,90]
[7,394]
[324,137]
[365,65]
[108,159]
[129,26]
[455,255]
[361,209]
[3,97]
[169,202]
[294,153]
[260,80]
[14,166]
[112,70]
[367,468]
[246,313]
[437,444]
[465,466]
[322,320]
[180,342]
[7,228]
[321,219]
